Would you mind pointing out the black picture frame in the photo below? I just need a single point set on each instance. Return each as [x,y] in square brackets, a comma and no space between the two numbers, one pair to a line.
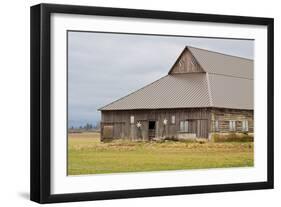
[41,103]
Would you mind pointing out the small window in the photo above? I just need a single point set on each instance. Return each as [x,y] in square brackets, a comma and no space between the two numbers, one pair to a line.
[232,125]
[245,126]
[217,125]
[132,119]
[173,119]
[193,61]
[180,63]
[184,126]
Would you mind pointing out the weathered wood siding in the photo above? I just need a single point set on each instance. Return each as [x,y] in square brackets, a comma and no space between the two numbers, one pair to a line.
[201,122]
[225,115]
[186,64]
[122,128]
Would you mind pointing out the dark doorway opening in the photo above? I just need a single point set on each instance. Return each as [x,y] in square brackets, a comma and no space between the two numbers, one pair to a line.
[151,129]
[151,125]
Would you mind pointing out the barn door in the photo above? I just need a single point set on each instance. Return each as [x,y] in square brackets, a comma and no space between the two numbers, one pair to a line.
[119,129]
[151,129]
[202,128]
[107,131]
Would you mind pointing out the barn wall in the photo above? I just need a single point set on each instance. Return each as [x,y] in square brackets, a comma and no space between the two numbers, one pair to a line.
[122,128]
[225,115]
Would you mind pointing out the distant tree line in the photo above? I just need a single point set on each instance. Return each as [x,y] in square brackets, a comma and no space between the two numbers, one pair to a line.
[86,127]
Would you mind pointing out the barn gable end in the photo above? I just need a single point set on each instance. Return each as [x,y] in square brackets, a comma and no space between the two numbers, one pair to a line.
[186,63]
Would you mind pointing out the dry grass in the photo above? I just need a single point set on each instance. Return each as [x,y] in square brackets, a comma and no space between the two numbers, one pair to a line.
[87,155]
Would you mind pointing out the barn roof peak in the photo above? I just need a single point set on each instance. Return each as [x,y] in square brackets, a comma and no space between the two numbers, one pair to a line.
[193,59]
[186,63]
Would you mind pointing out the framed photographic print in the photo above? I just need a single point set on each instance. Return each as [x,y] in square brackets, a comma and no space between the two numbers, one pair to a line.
[132,103]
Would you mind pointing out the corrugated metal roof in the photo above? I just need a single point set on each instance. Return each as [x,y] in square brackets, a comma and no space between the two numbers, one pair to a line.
[231,92]
[190,91]
[171,91]
[227,83]
[214,62]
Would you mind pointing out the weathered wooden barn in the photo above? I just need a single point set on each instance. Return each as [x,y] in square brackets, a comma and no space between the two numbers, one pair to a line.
[204,92]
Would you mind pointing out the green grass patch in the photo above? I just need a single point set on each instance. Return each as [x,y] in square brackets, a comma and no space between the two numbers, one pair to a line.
[87,155]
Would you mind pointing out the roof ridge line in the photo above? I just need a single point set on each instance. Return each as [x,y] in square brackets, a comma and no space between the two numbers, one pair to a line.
[209,90]
[232,76]
[208,50]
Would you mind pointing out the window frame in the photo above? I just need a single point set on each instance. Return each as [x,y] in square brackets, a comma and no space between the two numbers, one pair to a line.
[245,125]
[217,126]
[232,125]
[132,119]
[185,126]
[173,119]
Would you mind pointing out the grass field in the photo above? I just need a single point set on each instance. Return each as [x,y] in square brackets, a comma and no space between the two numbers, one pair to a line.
[87,155]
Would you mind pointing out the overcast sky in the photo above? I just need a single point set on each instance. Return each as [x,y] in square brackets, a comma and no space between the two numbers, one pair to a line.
[103,67]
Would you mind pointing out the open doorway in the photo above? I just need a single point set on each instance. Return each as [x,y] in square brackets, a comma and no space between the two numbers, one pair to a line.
[151,129]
